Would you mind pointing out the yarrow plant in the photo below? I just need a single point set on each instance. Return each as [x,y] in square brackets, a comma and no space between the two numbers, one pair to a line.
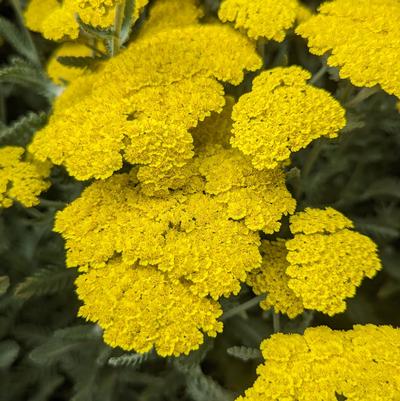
[190,138]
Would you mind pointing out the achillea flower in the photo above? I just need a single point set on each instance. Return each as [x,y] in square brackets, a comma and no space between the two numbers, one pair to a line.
[328,261]
[61,74]
[56,20]
[167,14]
[260,18]
[362,38]
[283,114]
[271,279]
[190,232]
[359,364]
[140,308]
[319,268]
[21,179]
[121,108]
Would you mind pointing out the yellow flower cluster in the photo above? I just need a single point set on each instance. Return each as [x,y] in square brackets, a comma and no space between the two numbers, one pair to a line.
[56,19]
[118,112]
[201,239]
[261,18]
[167,14]
[61,74]
[21,180]
[362,38]
[360,364]
[319,268]
[283,114]
[139,307]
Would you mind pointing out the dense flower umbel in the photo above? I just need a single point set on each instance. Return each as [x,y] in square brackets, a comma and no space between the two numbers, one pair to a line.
[56,19]
[139,307]
[319,268]
[361,364]
[21,180]
[283,114]
[363,38]
[260,18]
[173,73]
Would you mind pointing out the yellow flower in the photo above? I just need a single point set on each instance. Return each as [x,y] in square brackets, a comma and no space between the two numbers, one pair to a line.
[362,38]
[60,73]
[21,180]
[328,263]
[283,114]
[118,112]
[260,18]
[140,308]
[166,14]
[359,364]
[319,268]
[56,20]
[271,279]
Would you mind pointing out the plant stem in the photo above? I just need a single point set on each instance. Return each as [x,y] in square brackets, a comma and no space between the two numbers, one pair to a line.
[116,41]
[276,321]
[243,307]
[319,74]
[18,12]
[364,93]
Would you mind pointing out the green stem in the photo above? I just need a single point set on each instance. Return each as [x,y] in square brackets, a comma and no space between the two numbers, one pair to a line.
[51,203]
[308,165]
[364,94]
[116,41]
[276,321]
[243,307]
[18,12]
[319,74]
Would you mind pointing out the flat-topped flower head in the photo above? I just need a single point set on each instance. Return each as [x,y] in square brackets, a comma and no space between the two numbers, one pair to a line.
[359,364]
[283,114]
[260,18]
[361,38]
[140,308]
[319,268]
[328,264]
[21,179]
[118,112]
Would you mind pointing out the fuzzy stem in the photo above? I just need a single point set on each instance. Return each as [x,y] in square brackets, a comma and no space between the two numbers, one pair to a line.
[319,74]
[243,307]
[364,94]
[276,321]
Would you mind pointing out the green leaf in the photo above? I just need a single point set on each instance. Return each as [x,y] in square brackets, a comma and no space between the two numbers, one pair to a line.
[15,38]
[99,33]
[79,62]
[386,187]
[46,281]
[4,284]
[51,351]
[131,360]
[20,131]
[22,73]
[8,353]
[79,333]
[244,353]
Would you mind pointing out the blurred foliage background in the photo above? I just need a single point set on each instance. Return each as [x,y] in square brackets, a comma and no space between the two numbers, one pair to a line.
[47,353]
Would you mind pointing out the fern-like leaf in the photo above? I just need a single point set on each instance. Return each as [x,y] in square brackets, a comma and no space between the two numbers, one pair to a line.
[46,281]
[15,38]
[131,360]
[98,33]
[244,353]
[127,21]
[20,131]
[80,62]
